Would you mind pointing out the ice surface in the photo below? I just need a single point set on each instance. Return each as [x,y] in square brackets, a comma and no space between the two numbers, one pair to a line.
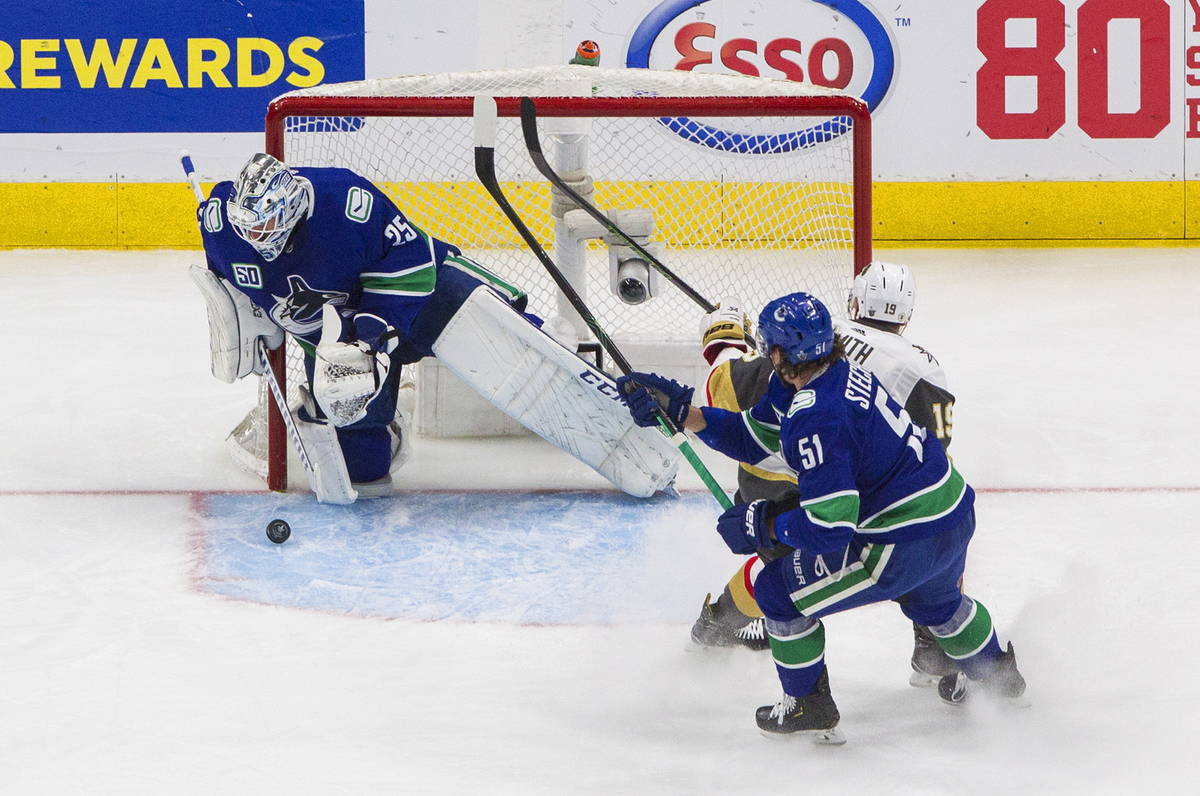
[531,637]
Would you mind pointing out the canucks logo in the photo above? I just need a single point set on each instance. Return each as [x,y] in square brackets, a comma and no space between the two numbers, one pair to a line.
[802,400]
[299,312]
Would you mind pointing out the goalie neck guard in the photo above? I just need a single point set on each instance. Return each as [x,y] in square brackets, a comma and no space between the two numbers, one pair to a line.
[267,202]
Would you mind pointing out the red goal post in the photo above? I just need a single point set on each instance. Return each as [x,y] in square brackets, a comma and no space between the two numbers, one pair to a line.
[756,219]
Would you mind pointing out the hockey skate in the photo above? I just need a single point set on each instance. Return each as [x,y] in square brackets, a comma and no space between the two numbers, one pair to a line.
[721,624]
[930,663]
[814,715]
[1005,684]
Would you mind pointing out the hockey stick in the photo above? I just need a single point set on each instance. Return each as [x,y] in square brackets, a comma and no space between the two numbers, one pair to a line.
[281,403]
[485,170]
[534,145]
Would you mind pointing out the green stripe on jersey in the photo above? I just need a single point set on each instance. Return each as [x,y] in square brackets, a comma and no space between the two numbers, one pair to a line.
[766,435]
[833,510]
[928,504]
[484,275]
[419,282]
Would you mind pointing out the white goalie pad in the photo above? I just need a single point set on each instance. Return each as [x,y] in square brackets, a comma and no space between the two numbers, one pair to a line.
[553,393]
[234,324]
[328,478]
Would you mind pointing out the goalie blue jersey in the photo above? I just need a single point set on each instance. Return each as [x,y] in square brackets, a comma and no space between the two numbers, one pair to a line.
[356,250]
[864,469]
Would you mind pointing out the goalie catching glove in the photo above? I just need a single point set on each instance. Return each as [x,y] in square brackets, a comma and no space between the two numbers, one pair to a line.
[348,376]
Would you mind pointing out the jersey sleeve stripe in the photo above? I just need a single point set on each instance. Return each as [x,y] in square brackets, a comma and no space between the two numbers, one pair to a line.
[835,510]
[394,274]
[766,435]
[419,282]
[479,272]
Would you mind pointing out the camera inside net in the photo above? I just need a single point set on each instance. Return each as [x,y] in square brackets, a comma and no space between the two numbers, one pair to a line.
[631,278]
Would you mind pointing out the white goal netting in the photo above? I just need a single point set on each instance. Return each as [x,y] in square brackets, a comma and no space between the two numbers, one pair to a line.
[742,186]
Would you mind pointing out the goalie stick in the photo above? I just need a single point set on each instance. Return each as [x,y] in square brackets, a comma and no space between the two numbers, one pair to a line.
[485,170]
[534,145]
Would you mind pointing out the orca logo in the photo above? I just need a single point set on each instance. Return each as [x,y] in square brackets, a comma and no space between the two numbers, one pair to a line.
[299,312]
[813,40]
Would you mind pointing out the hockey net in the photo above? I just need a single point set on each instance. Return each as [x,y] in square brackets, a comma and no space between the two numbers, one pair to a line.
[751,188]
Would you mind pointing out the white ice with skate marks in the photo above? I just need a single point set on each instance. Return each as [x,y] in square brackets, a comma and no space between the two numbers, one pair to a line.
[123,673]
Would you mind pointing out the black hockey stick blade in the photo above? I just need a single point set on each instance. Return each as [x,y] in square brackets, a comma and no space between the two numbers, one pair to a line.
[485,170]
[534,145]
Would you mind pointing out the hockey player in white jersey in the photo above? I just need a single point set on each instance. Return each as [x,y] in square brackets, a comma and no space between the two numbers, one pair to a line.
[880,306]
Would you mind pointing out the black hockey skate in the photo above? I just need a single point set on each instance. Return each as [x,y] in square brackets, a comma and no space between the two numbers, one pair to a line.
[930,663]
[1005,684]
[721,624]
[813,715]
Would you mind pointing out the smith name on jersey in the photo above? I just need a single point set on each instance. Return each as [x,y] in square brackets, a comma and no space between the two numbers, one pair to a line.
[864,469]
[355,250]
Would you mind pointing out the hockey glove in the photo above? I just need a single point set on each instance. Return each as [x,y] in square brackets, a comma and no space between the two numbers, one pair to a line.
[646,393]
[728,326]
[743,526]
[346,376]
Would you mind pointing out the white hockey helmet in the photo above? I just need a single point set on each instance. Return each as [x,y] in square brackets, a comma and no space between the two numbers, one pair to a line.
[267,202]
[883,292]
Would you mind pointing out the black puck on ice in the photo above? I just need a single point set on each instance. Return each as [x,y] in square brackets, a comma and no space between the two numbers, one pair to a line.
[278,531]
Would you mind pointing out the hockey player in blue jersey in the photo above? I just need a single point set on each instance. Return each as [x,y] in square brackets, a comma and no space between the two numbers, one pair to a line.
[879,307]
[880,514]
[323,255]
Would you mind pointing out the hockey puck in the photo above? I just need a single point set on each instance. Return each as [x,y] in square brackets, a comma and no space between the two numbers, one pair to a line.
[278,531]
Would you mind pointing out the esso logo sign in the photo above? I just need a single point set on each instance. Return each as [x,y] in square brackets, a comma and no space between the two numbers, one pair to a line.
[842,44]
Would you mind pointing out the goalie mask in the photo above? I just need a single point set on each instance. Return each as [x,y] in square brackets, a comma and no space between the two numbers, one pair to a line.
[268,200]
[883,292]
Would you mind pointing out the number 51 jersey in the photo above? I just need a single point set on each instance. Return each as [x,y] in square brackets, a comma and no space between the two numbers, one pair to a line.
[864,469]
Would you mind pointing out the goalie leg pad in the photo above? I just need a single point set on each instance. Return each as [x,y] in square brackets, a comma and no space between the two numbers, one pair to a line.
[329,479]
[564,400]
[234,324]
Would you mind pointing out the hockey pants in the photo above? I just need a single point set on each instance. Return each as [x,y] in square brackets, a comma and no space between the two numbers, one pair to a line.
[922,575]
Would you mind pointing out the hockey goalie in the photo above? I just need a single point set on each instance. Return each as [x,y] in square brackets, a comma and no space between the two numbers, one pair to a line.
[324,256]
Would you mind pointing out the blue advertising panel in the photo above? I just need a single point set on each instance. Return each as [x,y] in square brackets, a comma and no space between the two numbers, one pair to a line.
[97,66]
